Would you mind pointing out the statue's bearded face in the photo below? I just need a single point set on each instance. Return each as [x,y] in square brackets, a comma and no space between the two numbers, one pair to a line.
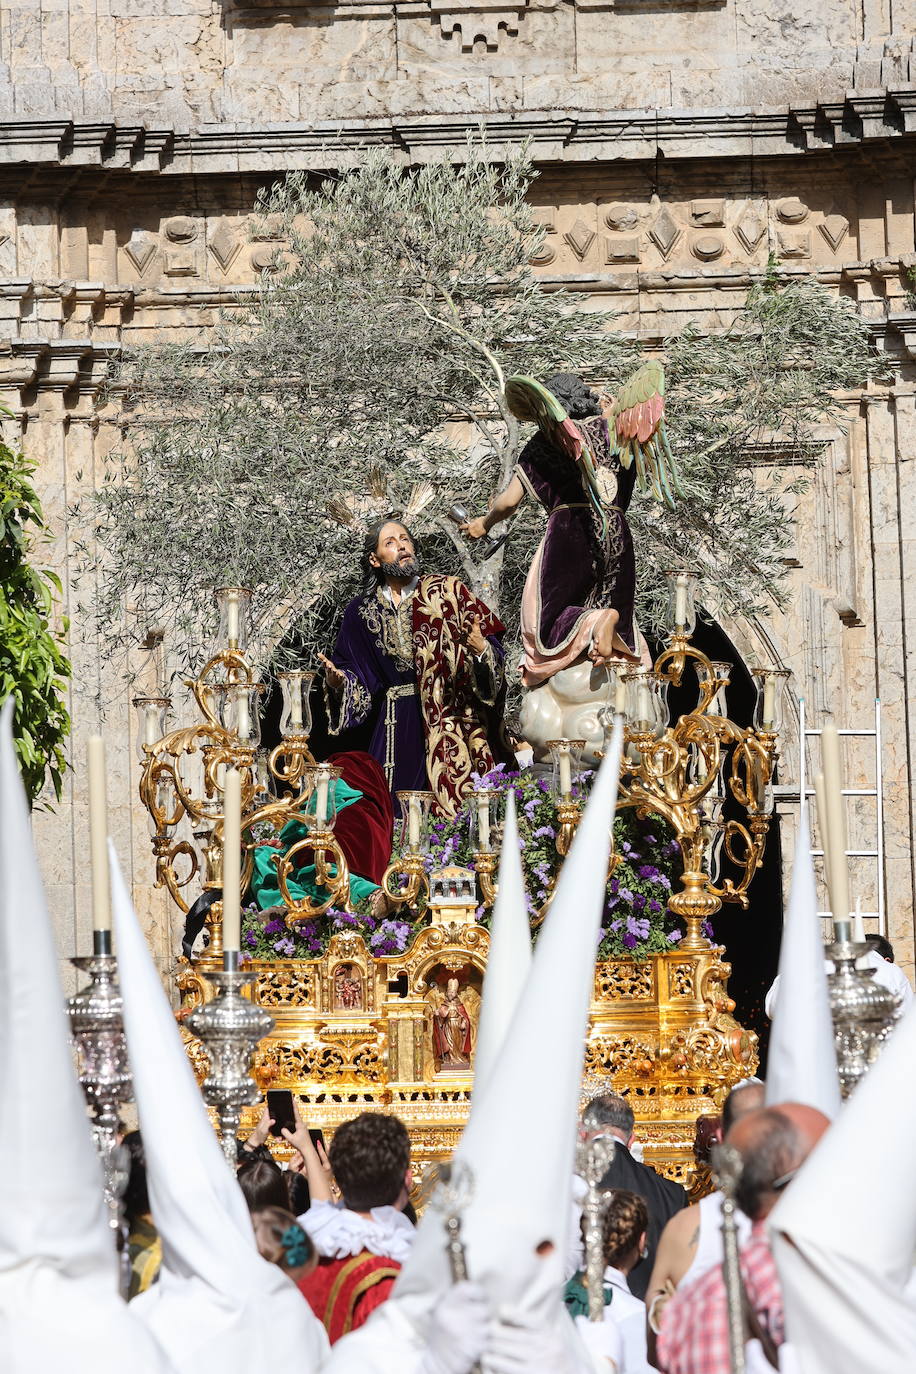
[395,555]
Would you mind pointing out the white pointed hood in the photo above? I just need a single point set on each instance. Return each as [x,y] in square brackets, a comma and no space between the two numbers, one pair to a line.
[509,959]
[59,1303]
[217,1304]
[844,1234]
[801,1066]
[519,1143]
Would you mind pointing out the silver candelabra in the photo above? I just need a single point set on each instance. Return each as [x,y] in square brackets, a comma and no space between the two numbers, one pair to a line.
[593,1159]
[97,1028]
[727,1165]
[230,1028]
[864,1012]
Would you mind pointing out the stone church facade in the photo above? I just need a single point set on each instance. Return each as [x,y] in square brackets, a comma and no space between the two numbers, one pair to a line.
[680,143]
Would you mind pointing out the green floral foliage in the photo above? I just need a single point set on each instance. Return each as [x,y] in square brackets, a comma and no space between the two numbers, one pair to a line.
[33,666]
[635,923]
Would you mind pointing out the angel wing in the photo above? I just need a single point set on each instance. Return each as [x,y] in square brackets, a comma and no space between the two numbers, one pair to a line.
[528,400]
[638,417]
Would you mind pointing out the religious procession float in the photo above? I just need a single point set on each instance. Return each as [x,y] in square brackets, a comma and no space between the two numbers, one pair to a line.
[339,941]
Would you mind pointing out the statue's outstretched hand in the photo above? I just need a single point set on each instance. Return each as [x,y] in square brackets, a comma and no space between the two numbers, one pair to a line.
[474,529]
[474,638]
[334,675]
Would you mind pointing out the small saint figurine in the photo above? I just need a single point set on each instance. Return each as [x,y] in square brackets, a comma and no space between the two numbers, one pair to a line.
[452,1030]
[348,989]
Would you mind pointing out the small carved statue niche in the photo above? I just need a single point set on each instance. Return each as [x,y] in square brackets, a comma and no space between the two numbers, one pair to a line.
[348,988]
[454,1007]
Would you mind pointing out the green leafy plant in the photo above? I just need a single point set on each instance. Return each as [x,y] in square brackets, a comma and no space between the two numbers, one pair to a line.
[33,666]
[367,366]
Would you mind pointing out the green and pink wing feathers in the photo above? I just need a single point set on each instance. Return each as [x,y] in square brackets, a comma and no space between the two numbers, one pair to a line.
[638,420]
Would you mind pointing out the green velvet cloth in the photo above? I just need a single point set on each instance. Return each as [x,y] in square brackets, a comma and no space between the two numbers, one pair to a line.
[264,886]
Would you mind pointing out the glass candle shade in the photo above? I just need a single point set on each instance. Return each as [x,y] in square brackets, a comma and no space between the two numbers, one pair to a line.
[768,711]
[262,777]
[682,611]
[152,713]
[415,808]
[168,809]
[720,670]
[713,834]
[486,819]
[566,756]
[240,711]
[647,703]
[296,715]
[234,604]
[321,808]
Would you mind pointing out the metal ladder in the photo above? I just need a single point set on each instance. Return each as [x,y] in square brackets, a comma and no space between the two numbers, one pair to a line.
[804,734]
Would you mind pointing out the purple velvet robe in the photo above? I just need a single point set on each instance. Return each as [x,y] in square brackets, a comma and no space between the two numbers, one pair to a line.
[581,570]
[375,649]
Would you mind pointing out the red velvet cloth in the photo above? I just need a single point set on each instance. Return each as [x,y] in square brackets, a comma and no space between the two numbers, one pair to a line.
[344,1293]
[365,830]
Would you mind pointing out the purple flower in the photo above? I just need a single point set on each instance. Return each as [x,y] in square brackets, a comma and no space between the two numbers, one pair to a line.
[638,926]
[672,847]
[654,907]
[285,947]
[664,881]
[250,939]
[707,930]
[543,785]
[615,925]
[626,895]
[629,940]
[674,936]
[531,806]
[650,872]
[544,832]
[274,927]
[343,920]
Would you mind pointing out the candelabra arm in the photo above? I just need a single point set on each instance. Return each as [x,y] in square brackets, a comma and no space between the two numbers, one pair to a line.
[569,813]
[337,884]
[485,863]
[410,867]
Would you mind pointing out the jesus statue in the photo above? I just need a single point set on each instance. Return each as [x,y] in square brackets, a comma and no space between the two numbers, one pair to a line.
[422,656]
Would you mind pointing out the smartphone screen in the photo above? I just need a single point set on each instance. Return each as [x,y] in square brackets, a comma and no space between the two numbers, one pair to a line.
[280,1108]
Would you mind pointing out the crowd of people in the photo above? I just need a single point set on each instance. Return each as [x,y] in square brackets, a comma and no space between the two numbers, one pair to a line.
[323,1265]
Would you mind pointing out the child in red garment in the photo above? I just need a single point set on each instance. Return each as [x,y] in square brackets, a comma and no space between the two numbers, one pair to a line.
[363,1241]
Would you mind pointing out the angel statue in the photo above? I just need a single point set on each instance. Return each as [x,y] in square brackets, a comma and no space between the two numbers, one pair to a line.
[578,601]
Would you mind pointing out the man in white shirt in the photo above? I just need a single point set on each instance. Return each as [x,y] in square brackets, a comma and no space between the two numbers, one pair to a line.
[887,973]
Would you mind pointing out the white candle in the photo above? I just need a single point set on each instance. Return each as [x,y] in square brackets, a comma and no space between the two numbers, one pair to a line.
[232,860]
[244,714]
[150,725]
[565,771]
[859,925]
[680,600]
[823,831]
[413,823]
[836,822]
[645,715]
[620,696]
[98,835]
[232,619]
[769,703]
[295,701]
[483,814]
[321,802]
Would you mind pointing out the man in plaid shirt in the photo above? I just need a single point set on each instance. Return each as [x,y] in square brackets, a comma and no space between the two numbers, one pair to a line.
[773,1142]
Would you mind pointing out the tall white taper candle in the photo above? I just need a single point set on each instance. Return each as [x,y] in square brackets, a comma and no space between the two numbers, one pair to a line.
[823,827]
[232,860]
[98,835]
[836,817]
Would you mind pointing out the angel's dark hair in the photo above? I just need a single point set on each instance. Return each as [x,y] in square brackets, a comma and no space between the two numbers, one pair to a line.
[373,576]
[574,396]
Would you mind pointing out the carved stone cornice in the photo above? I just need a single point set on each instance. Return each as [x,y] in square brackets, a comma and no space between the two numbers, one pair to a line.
[869,120]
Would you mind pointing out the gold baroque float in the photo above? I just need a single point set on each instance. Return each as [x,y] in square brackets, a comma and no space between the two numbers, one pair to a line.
[354,1032]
